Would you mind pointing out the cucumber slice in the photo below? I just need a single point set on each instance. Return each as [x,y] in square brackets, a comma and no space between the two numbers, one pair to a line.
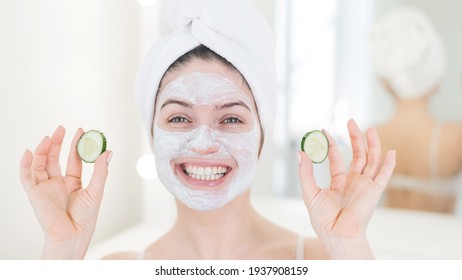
[315,145]
[91,144]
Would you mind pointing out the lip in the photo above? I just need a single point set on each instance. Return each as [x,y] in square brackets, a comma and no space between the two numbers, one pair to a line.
[179,165]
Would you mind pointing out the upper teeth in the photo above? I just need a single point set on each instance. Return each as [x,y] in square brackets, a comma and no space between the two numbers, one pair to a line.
[209,170]
[205,173]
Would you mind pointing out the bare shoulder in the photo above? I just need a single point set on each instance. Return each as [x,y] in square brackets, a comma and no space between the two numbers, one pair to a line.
[387,134]
[452,135]
[127,255]
[314,250]
[454,128]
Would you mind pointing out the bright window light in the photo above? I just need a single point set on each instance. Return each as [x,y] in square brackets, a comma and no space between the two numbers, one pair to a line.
[147,2]
[146,167]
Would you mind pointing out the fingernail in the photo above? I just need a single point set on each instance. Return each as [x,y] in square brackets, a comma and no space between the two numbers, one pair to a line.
[109,157]
[299,158]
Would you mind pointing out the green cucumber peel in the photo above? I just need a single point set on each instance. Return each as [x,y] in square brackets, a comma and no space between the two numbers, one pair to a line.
[315,145]
[91,145]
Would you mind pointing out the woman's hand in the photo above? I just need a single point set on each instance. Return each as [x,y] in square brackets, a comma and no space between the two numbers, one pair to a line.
[340,214]
[66,211]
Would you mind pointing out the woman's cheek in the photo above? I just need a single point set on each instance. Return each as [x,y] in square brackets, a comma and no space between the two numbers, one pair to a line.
[169,145]
[243,146]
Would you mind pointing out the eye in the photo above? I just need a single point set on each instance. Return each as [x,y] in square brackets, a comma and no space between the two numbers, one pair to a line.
[178,119]
[232,120]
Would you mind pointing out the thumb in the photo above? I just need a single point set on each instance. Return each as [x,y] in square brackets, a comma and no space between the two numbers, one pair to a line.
[100,172]
[305,171]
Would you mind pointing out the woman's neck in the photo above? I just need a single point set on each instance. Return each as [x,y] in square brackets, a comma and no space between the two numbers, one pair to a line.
[412,110]
[224,233]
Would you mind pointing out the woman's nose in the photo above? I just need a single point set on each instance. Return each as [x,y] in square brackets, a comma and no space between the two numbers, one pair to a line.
[204,151]
[204,142]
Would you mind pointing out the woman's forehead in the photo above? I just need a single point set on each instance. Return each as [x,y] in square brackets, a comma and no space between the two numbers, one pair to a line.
[203,89]
[204,77]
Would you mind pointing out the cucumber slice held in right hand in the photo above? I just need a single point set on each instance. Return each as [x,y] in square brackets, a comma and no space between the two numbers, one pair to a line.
[91,144]
[315,145]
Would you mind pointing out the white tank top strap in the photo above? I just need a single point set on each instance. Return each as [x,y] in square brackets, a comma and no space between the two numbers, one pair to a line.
[140,255]
[300,249]
[434,150]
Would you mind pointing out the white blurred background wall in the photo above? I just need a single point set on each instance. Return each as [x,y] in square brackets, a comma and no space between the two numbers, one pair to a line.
[71,63]
[74,63]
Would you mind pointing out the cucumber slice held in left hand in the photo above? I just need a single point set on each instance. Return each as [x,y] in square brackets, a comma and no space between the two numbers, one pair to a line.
[315,145]
[91,144]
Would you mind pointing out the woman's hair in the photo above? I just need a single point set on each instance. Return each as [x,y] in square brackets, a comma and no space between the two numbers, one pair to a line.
[206,54]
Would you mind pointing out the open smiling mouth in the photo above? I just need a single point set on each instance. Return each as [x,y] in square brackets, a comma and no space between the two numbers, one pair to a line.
[205,173]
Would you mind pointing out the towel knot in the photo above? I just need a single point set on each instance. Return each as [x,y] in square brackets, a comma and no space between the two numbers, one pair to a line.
[178,15]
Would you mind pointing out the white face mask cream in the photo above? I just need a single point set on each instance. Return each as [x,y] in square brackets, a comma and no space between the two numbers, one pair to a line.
[205,180]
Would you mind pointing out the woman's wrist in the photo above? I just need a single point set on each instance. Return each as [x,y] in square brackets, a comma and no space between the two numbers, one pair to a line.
[353,248]
[65,249]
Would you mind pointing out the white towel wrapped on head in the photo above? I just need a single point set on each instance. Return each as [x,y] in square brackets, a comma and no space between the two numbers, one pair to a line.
[234,29]
[407,52]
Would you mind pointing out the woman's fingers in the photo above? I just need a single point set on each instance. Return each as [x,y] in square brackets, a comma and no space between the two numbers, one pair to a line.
[374,154]
[25,172]
[386,170]
[307,181]
[100,172]
[74,163]
[336,164]
[39,160]
[52,167]
[359,150]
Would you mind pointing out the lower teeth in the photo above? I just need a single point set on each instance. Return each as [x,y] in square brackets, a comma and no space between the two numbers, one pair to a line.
[199,177]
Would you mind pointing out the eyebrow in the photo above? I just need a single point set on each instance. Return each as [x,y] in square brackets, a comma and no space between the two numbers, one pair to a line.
[218,107]
[175,101]
[231,104]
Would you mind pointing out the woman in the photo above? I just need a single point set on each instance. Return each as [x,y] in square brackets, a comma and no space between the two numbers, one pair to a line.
[206,95]
[409,58]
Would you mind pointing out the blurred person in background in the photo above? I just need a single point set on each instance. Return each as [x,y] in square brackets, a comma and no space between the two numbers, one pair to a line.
[410,61]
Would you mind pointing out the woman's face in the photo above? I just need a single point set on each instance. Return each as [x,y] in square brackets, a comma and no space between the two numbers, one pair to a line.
[206,134]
